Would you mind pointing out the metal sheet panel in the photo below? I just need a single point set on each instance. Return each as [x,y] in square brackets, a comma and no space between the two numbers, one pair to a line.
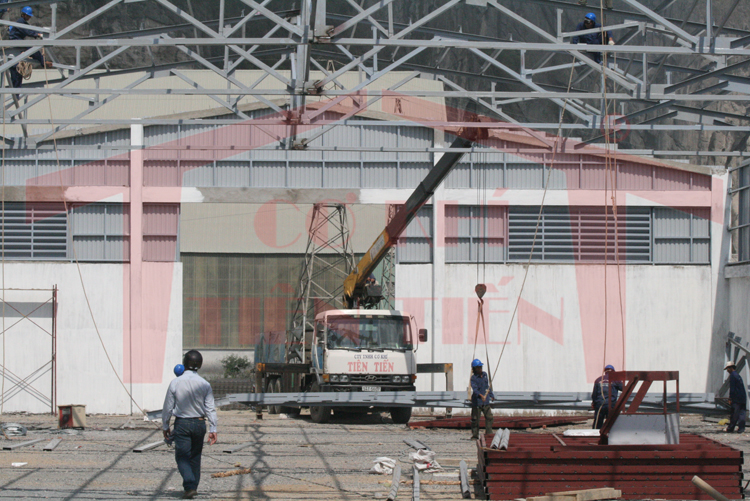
[20,173]
[524,176]
[89,173]
[161,173]
[379,175]
[160,227]
[160,135]
[267,174]
[411,174]
[232,173]
[671,179]
[306,174]
[565,176]
[459,177]
[632,176]
[198,173]
[341,175]
[52,173]
[416,246]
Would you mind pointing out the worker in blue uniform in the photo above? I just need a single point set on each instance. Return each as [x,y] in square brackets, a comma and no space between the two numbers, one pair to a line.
[737,399]
[604,396]
[481,396]
[191,400]
[16,33]
[3,11]
[589,23]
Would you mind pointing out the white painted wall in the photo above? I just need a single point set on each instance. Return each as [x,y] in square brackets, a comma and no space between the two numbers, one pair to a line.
[668,323]
[84,376]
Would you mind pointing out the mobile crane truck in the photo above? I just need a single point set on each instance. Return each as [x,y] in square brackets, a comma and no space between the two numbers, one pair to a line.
[360,348]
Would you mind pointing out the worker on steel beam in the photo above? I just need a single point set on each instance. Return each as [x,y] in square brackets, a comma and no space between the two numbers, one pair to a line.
[604,396]
[16,33]
[191,400]
[737,399]
[589,23]
[481,396]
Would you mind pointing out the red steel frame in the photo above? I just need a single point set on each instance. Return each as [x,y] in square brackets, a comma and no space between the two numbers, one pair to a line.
[631,379]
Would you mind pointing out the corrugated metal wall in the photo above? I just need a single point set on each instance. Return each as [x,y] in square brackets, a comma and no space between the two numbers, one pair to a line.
[744,215]
[416,244]
[475,234]
[100,232]
[160,232]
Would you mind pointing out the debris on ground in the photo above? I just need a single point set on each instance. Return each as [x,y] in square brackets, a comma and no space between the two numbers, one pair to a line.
[231,473]
[424,461]
[13,429]
[383,466]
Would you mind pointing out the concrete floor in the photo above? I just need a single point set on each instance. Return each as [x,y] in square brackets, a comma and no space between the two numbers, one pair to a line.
[292,459]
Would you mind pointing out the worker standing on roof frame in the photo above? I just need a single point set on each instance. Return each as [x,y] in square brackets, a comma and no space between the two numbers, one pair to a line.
[481,396]
[16,33]
[602,398]
[589,23]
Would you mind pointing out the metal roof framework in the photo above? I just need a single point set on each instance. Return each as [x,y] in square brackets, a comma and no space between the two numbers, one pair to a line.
[662,69]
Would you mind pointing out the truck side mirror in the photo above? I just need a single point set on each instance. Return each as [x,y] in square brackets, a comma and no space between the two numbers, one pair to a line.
[422,335]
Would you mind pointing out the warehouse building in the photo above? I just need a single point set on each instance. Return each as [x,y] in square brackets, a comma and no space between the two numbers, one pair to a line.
[191,236]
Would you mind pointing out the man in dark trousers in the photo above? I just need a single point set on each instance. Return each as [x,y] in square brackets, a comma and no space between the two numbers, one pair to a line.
[602,398]
[191,400]
[16,33]
[737,399]
[481,396]
[589,23]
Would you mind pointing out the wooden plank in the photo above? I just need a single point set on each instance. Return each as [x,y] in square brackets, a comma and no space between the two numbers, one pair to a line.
[238,447]
[11,447]
[53,443]
[148,447]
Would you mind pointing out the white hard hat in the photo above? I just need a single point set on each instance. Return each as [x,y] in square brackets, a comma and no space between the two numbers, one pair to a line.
[728,365]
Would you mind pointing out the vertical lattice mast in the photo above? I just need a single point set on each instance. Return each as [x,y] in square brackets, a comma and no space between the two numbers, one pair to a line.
[328,260]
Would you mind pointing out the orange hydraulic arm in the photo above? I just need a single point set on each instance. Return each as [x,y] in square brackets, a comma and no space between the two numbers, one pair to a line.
[355,292]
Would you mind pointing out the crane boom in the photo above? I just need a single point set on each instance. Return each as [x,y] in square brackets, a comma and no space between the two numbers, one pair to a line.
[354,285]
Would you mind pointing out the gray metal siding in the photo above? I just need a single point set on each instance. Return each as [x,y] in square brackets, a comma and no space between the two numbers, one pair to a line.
[742,237]
[416,244]
[475,234]
[681,235]
[100,232]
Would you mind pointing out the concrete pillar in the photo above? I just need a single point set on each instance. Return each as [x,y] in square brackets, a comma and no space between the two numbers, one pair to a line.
[136,346]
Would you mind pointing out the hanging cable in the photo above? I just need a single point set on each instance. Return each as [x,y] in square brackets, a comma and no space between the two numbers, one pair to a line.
[538,219]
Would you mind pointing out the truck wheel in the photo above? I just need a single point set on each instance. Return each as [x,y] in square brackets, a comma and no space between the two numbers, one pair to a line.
[274,386]
[319,413]
[400,415]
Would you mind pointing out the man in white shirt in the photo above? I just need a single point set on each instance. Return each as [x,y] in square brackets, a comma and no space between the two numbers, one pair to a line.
[191,400]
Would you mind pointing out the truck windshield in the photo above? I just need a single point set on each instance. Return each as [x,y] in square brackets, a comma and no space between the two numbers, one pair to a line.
[369,332]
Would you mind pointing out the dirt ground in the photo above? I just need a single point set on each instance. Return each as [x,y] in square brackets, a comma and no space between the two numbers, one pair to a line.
[290,458]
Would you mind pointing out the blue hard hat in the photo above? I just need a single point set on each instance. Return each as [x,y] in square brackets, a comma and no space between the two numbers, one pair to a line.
[179,370]
[591,17]
[476,363]
[609,367]
[27,10]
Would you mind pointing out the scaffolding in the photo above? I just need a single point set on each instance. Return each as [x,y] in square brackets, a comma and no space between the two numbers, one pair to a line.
[671,70]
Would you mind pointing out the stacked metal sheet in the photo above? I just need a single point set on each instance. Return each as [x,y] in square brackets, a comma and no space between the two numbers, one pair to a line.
[513,422]
[536,465]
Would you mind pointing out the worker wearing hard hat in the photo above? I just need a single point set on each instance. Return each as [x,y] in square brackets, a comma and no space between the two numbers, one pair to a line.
[16,33]
[737,399]
[604,396]
[481,396]
[589,23]
[191,400]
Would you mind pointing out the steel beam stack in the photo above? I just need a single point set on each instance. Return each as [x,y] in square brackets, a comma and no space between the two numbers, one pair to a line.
[536,465]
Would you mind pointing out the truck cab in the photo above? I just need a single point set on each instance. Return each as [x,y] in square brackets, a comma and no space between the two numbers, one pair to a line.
[364,350]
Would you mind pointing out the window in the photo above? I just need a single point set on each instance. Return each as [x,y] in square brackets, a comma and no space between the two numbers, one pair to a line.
[34,231]
[740,220]
[581,234]
[416,244]
[681,235]
[475,234]
[100,232]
